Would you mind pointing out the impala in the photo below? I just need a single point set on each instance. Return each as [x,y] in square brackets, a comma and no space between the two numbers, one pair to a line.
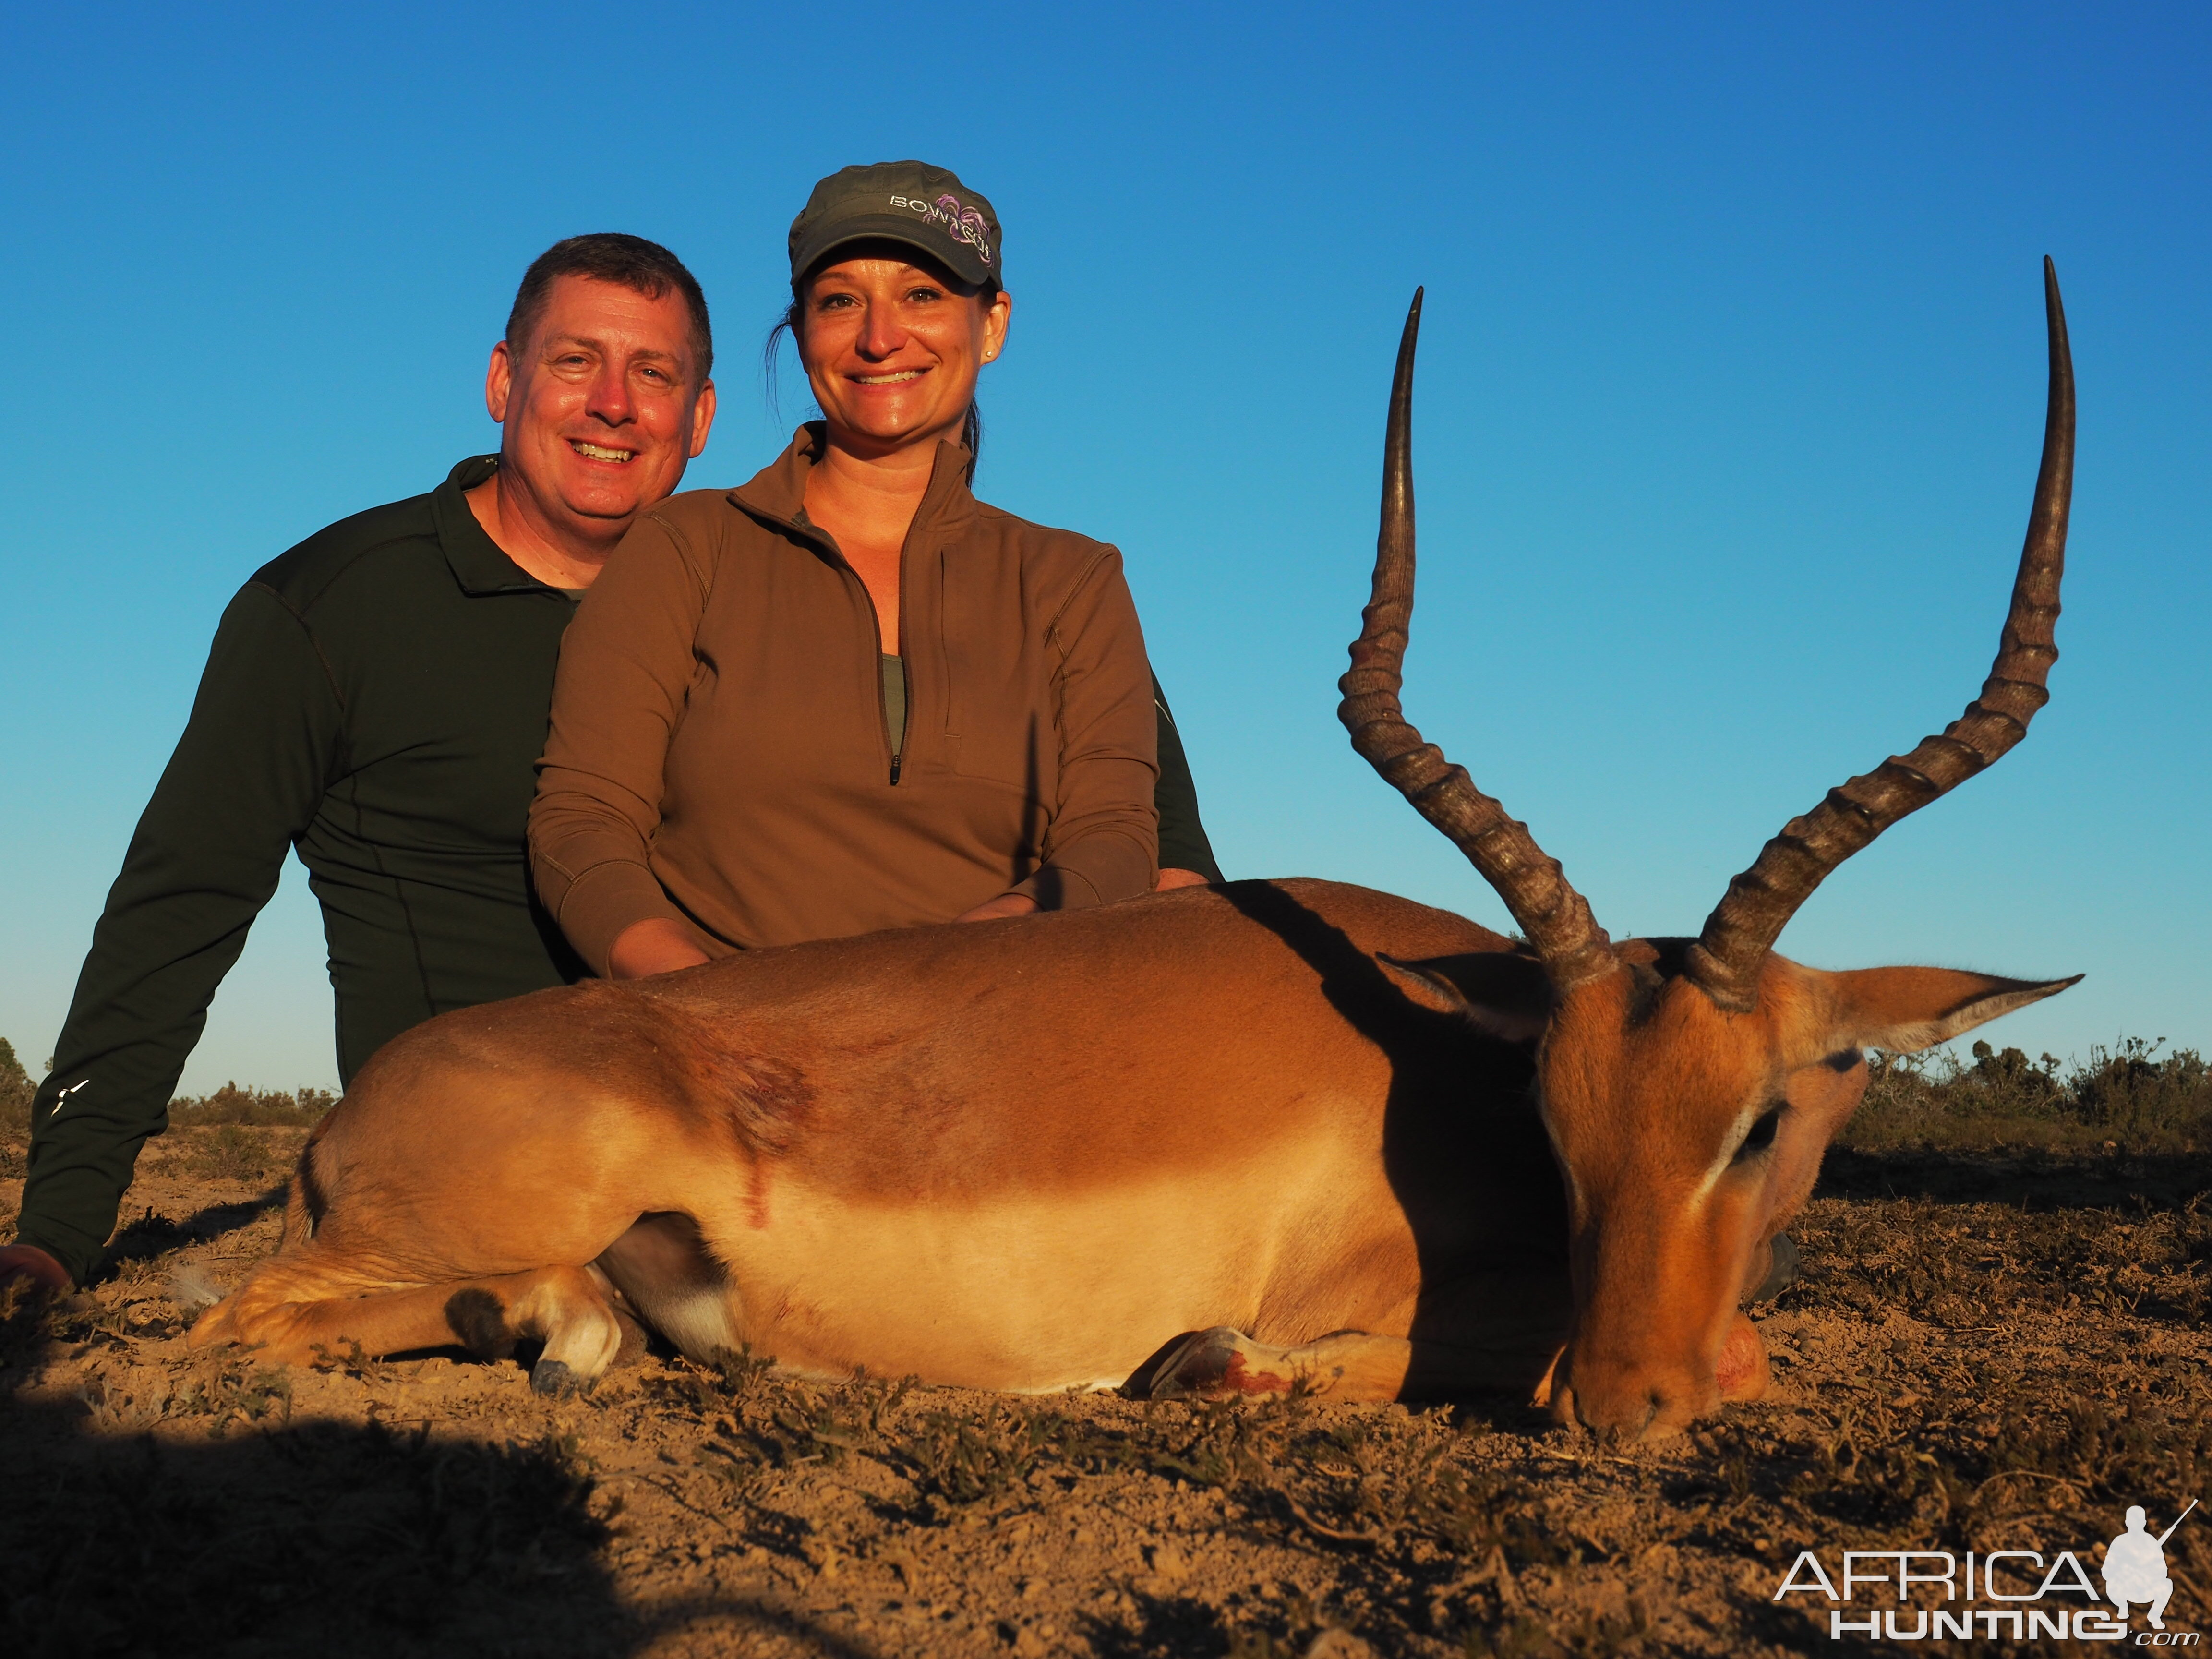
[1217,1141]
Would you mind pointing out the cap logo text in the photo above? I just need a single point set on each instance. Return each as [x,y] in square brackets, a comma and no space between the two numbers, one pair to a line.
[963,224]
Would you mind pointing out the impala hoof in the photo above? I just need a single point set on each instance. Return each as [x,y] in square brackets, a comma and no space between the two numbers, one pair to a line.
[556,1381]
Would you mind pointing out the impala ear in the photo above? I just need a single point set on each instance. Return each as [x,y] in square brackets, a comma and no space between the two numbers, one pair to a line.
[1505,995]
[1906,1010]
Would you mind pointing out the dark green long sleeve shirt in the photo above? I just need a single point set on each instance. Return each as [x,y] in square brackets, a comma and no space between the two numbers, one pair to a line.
[375,698]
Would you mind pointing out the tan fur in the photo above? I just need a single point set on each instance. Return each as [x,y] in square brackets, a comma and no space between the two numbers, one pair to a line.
[1029,1155]
[1649,1087]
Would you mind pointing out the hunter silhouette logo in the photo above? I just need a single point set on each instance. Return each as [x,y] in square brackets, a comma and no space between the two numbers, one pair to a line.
[2011,1595]
[2135,1567]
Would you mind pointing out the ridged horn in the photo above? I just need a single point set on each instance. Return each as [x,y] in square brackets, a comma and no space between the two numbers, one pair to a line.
[1742,928]
[1553,917]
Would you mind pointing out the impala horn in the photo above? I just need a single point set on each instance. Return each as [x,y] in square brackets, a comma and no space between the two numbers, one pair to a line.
[1725,962]
[1554,919]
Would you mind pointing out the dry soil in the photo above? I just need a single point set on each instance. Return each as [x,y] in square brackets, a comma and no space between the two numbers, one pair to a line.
[1986,1352]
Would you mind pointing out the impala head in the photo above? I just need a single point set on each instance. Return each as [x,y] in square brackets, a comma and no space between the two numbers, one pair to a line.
[1691,1086]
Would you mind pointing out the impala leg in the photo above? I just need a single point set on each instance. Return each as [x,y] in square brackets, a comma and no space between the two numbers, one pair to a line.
[1223,1363]
[1507,1327]
[663,1266]
[293,1306]
[1226,1365]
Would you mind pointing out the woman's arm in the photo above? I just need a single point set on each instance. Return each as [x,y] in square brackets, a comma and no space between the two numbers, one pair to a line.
[625,663]
[1186,855]
[655,945]
[1006,904]
[1104,842]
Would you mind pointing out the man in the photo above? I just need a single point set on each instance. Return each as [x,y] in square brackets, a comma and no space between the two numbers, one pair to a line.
[375,698]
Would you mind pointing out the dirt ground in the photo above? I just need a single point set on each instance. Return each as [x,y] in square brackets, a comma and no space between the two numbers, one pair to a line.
[1986,1352]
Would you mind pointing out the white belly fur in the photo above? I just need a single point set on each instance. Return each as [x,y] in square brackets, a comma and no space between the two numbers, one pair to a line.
[1023,1294]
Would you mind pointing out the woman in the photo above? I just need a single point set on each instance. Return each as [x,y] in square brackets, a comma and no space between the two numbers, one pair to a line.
[848,696]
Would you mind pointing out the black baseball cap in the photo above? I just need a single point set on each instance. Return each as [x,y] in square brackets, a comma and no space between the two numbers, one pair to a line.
[925,206]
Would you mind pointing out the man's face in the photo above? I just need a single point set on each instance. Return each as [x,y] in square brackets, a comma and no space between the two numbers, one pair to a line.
[601,408]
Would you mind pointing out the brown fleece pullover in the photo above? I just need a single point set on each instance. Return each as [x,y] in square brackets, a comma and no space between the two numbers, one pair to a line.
[720,756]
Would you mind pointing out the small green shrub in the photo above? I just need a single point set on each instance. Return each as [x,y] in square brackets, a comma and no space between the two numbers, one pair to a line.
[234,1153]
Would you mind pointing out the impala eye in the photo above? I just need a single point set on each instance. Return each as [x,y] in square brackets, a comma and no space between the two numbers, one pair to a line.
[1760,1135]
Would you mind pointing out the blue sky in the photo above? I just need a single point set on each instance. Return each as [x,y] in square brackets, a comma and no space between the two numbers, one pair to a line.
[1730,395]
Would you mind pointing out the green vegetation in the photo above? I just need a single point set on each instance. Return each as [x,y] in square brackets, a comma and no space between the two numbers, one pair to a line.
[261,1108]
[231,1152]
[16,1091]
[2124,1099]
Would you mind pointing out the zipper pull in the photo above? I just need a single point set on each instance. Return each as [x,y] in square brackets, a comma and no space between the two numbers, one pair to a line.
[895,766]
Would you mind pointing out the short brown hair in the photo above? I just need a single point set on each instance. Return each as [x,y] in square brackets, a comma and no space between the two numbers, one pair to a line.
[609,256]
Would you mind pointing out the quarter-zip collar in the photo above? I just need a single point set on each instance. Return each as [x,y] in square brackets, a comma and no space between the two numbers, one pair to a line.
[776,498]
[477,561]
[777,492]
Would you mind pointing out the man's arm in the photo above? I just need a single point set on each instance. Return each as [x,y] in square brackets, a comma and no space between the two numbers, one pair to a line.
[243,785]
[1186,855]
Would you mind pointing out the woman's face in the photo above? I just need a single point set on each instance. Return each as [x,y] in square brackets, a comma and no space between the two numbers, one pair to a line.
[892,350]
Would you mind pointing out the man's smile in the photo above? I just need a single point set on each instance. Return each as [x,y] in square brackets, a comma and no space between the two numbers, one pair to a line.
[592,452]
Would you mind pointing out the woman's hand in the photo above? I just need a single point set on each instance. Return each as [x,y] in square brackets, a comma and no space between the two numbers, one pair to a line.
[1006,904]
[658,947]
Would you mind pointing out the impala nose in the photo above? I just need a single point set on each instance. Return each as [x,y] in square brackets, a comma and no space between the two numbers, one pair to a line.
[1630,1410]
[1631,1397]
[1626,1421]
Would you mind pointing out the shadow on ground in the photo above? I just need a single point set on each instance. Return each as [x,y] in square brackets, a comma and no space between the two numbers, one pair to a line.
[152,1235]
[2028,1178]
[323,1538]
